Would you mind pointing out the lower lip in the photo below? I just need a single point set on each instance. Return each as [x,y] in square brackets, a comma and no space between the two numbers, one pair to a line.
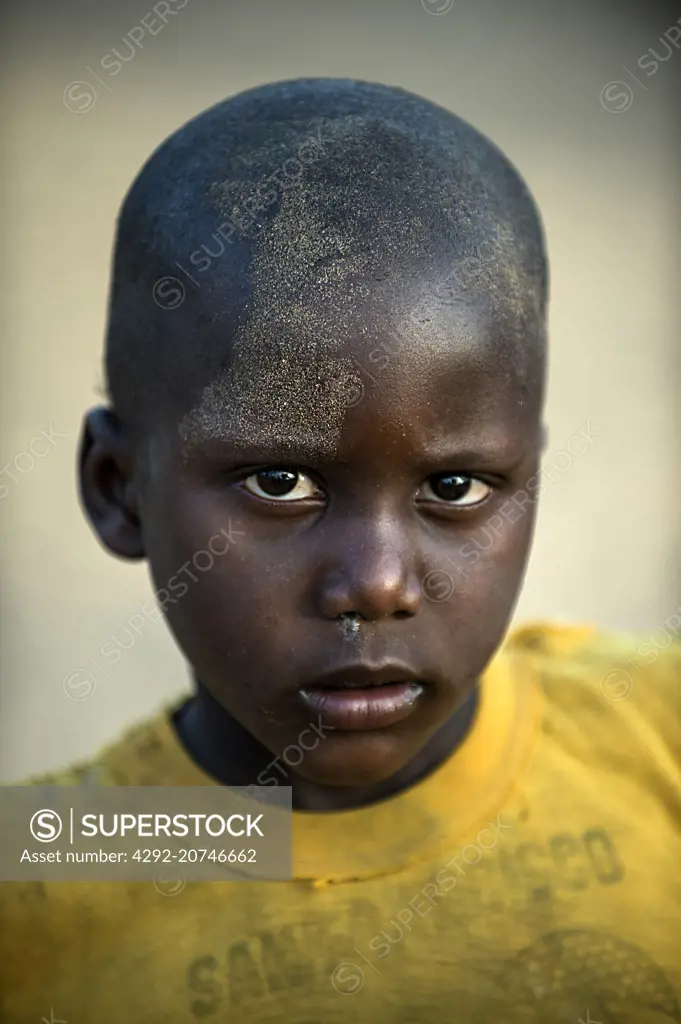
[362,710]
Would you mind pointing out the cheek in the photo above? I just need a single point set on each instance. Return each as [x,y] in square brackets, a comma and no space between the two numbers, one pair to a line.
[485,576]
[190,530]
[500,544]
[219,578]
[488,564]
[220,590]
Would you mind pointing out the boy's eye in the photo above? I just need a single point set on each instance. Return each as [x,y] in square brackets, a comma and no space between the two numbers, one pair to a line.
[456,489]
[281,485]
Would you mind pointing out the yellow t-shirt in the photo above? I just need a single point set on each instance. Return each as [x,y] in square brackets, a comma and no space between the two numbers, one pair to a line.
[535,876]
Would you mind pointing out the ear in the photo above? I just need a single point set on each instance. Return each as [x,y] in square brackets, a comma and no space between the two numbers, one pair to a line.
[107,484]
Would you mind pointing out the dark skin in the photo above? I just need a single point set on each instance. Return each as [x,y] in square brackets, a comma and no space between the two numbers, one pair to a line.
[443,436]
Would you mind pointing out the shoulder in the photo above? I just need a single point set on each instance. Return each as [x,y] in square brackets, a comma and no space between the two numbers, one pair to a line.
[77,774]
[612,662]
[609,688]
[585,645]
[146,753]
[117,763]
[50,908]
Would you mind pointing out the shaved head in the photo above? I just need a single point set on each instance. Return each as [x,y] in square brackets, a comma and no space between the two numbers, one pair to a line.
[298,214]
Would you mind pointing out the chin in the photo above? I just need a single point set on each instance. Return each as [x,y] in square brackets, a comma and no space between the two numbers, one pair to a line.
[356,760]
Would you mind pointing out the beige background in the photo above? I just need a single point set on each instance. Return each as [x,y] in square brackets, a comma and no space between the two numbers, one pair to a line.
[529,75]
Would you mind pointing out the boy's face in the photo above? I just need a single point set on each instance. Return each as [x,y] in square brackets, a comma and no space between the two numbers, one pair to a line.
[374,552]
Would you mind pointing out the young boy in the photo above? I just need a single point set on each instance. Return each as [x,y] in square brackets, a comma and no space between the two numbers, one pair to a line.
[326,343]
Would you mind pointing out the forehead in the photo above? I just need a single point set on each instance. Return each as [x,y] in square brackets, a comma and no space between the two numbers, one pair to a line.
[407,366]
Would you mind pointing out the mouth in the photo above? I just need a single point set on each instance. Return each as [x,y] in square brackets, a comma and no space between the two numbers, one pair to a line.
[359,699]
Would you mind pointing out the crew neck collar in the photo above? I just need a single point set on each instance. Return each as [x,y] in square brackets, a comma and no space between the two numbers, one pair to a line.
[421,822]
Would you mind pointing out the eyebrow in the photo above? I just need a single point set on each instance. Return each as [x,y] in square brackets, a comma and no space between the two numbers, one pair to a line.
[486,450]
[211,444]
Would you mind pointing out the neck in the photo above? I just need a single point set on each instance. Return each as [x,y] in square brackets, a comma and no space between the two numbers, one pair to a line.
[225,750]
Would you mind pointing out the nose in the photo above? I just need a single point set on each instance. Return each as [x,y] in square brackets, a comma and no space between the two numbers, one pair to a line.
[371,572]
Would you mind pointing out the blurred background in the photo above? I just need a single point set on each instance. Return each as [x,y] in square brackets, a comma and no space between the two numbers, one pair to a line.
[581,96]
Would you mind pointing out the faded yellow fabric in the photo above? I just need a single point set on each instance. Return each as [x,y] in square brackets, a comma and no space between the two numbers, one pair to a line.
[536,876]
